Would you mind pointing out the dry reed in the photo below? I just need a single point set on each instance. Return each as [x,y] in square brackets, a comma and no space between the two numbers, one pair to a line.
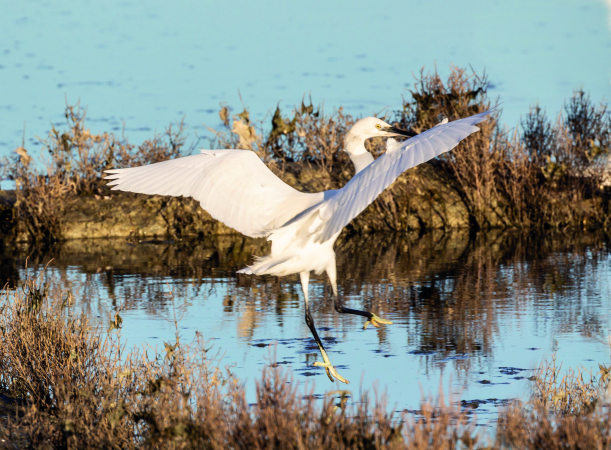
[74,161]
[544,174]
[65,384]
[78,387]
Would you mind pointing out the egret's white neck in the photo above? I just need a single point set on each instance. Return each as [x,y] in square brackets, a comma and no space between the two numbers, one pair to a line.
[355,148]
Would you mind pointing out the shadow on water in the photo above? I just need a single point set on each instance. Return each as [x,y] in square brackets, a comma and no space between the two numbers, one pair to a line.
[450,289]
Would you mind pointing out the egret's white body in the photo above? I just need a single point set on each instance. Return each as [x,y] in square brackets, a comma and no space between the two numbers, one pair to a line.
[236,188]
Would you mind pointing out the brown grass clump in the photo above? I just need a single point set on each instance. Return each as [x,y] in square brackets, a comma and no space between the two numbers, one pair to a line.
[555,165]
[532,428]
[535,176]
[79,157]
[41,201]
[74,162]
[78,387]
[567,410]
[471,164]
[569,393]
[82,389]
[306,150]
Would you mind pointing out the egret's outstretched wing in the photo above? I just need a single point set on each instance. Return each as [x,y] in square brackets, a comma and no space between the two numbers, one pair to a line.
[366,185]
[234,186]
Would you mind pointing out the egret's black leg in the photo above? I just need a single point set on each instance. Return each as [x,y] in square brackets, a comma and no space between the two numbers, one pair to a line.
[340,308]
[331,372]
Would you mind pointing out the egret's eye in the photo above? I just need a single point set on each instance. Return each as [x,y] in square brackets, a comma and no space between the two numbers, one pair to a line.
[378,126]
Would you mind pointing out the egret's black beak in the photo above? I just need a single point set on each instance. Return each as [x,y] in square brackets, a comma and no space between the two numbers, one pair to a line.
[399,132]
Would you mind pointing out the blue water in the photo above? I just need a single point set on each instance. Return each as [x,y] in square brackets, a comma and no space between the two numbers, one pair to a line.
[139,66]
[474,316]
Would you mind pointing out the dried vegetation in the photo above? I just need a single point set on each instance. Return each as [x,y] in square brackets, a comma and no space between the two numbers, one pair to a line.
[550,174]
[72,386]
[73,164]
[545,174]
[65,384]
[567,410]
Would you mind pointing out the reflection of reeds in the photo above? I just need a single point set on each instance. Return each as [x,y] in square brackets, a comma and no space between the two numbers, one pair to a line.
[453,288]
[66,385]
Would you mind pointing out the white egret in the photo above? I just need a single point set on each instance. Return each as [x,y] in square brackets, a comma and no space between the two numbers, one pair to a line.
[235,187]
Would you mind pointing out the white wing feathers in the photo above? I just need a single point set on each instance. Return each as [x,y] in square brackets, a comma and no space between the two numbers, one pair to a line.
[365,186]
[236,187]
[233,186]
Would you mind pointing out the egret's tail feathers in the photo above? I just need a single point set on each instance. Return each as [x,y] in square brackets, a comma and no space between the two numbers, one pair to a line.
[270,265]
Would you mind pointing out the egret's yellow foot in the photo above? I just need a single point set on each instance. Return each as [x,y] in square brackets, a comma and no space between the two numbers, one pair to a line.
[331,372]
[376,322]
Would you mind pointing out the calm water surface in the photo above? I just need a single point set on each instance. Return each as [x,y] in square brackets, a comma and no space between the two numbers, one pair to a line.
[474,313]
